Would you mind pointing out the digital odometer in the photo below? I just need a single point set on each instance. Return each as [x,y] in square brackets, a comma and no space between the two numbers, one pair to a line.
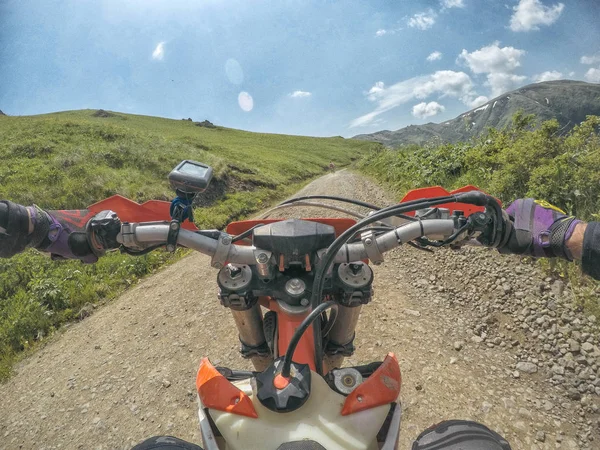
[190,177]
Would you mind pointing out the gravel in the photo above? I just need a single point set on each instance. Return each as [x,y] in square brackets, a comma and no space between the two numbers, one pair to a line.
[478,335]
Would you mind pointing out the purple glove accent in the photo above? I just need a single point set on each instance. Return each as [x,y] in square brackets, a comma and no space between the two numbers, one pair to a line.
[533,221]
[59,236]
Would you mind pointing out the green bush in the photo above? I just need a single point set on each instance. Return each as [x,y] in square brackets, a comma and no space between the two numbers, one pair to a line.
[512,163]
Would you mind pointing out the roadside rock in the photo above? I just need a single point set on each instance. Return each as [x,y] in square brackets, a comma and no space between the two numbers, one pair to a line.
[526,367]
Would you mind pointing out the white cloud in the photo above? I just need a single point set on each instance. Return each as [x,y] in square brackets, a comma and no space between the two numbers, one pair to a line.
[498,63]
[502,82]
[445,83]
[423,110]
[492,58]
[479,101]
[300,94]
[452,4]
[422,21]
[592,75]
[590,59]
[159,52]
[434,56]
[531,13]
[548,76]
[380,32]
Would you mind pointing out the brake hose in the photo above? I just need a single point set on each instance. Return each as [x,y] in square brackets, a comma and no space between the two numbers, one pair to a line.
[332,250]
[307,322]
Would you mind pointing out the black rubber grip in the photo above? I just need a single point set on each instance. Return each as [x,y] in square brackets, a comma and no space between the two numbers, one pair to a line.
[558,231]
[590,261]
[3,214]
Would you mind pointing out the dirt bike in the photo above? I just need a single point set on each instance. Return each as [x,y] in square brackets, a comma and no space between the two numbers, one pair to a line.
[295,289]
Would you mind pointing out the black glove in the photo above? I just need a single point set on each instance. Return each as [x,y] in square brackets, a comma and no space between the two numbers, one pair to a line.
[20,227]
[76,234]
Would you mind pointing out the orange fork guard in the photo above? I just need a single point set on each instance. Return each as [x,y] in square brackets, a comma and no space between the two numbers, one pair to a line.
[438,191]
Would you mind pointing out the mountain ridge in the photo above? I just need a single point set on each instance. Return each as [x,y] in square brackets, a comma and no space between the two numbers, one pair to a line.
[567,101]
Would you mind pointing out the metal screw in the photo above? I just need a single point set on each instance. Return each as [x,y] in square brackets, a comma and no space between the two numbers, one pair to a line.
[348,381]
[359,398]
[262,258]
[217,265]
[170,248]
[226,240]
[304,302]
[368,241]
[174,226]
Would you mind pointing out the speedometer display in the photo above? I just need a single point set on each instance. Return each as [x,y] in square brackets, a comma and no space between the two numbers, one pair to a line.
[193,169]
[190,177]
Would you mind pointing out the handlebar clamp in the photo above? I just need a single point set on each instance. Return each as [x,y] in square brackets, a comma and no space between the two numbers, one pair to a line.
[369,240]
[174,228]
[223,246]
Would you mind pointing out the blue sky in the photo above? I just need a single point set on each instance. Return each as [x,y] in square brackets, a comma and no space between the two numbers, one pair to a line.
[318,68]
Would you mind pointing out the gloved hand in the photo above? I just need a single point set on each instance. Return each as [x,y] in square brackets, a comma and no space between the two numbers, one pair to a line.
[539,229]
[77,234]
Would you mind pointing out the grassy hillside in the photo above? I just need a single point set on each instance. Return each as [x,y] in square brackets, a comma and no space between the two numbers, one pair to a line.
[72,159]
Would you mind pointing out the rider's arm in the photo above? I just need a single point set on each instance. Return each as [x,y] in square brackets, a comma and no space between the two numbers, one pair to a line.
[542,230]
[63,234]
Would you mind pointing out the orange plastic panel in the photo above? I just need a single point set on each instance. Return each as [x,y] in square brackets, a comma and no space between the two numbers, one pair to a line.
[340,225]
[438,191]
[130,211]
[381,388]
[218,393]
[286,327]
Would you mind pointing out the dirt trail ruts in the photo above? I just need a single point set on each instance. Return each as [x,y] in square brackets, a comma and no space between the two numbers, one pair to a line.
[128,371]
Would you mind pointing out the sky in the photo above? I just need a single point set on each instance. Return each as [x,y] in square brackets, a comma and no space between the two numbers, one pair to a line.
[318,68]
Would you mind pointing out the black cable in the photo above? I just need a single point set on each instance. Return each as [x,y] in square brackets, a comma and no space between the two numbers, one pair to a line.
[418,247]
[332,250]
[331,197]
[141,252]
[246,233]
[307,322]
[341,199]
[446,241]
[330,321]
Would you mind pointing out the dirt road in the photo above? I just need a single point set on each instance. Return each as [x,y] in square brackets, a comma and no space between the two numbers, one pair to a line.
[128,371]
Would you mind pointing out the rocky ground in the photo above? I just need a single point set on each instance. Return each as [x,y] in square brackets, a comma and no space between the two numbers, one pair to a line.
[478,336]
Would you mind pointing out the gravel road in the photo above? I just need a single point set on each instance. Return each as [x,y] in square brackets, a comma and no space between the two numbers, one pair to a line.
[478,336]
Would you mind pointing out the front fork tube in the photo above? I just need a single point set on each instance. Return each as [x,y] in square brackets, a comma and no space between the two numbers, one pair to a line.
[250,327]
[342,333]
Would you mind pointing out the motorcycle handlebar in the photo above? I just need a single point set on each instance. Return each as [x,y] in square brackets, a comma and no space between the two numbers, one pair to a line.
[144,235]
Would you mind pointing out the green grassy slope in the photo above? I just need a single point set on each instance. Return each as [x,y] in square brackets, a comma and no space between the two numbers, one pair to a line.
[73,159]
